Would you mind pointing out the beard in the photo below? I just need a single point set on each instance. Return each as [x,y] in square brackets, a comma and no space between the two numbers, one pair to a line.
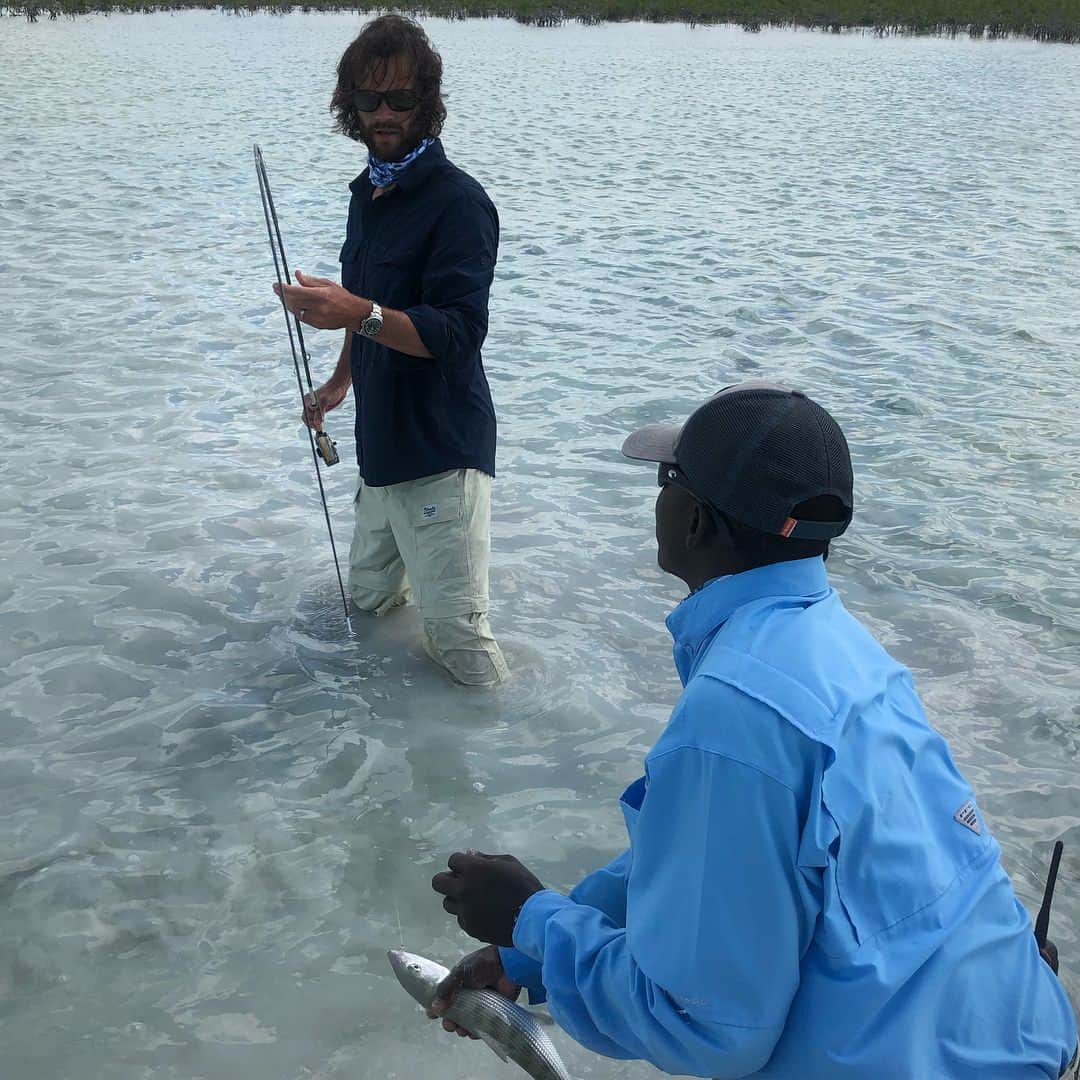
[398,139]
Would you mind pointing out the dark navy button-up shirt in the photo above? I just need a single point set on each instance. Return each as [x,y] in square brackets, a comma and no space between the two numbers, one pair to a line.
[427,247]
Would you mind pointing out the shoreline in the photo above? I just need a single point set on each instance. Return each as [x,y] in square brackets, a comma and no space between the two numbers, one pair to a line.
[1046,21]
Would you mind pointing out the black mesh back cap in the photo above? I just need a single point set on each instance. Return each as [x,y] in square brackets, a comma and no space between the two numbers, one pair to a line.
[756,450]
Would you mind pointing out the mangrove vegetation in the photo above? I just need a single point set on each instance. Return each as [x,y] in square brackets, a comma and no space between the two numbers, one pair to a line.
[1039,20]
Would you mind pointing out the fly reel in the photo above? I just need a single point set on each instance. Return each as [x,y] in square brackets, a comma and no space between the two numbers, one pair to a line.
[326,448]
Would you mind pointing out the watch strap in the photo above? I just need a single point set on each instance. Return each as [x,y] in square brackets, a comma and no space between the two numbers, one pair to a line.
[374,321]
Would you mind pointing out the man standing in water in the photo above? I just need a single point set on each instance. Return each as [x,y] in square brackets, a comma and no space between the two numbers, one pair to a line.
[417,265]
[810,889]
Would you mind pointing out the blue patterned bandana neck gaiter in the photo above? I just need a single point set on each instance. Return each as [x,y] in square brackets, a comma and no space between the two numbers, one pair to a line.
[385,173]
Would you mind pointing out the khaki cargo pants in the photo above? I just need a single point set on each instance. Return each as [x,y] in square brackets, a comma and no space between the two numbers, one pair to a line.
[431,539]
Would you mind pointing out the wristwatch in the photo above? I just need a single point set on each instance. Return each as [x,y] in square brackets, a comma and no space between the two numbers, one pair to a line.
[372,325]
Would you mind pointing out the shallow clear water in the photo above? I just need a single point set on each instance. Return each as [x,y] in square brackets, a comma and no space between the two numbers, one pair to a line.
[219,810]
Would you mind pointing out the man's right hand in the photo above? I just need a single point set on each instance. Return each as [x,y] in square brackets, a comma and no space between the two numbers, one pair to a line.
[329,396]
[480,970]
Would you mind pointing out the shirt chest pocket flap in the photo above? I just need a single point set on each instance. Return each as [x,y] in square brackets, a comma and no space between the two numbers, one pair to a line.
[395,277]
[350,264]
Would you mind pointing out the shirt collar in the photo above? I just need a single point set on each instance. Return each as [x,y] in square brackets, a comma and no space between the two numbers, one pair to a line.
[433,158]
[702,613]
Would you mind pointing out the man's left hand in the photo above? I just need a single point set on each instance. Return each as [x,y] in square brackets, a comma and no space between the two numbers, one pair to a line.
[323,303]
[480,970]
[486,892]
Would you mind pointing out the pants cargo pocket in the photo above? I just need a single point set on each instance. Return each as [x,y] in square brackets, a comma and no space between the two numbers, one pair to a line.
[442,580]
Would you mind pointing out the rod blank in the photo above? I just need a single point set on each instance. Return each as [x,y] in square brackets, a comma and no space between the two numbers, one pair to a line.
[281,270]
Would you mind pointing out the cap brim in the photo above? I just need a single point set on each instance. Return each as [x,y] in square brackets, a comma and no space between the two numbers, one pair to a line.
[653,442]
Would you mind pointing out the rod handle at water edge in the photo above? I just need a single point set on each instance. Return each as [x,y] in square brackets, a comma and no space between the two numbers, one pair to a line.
[1042,922]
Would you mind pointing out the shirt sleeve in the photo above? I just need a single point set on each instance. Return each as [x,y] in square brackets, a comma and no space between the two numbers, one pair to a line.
[452,316]
[719,914]
[603,889]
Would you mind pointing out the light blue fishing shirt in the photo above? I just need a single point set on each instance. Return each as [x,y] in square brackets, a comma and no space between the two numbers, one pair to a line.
[810,889]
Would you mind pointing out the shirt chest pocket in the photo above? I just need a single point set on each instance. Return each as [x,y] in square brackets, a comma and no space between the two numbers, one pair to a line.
[394,277]
[351,265]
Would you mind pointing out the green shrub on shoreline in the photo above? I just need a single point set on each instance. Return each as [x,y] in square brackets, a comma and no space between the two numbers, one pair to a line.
[1039,20]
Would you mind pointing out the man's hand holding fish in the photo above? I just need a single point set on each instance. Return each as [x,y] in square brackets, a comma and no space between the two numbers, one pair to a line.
[480,970]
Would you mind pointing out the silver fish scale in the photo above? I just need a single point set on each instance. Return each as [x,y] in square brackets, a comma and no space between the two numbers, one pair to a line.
[510,1025]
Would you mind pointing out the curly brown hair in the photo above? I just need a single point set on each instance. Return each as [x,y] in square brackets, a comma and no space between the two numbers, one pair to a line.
[380,41]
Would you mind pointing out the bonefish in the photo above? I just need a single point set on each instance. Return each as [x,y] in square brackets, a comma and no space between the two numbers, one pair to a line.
[508,1029]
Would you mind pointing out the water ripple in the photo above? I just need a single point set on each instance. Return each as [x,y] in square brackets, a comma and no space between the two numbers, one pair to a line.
[220,808]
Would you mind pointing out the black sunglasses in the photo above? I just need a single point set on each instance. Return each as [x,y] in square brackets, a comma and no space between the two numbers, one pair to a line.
[803,529]
[398,100]
[672,474]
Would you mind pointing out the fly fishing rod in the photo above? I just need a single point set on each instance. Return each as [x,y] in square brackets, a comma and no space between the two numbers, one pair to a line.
[322,446]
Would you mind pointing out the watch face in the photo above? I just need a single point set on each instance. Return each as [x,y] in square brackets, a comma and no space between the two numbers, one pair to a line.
[372,325]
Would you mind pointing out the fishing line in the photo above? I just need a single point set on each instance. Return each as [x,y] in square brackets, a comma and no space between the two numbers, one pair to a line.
[322,446]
